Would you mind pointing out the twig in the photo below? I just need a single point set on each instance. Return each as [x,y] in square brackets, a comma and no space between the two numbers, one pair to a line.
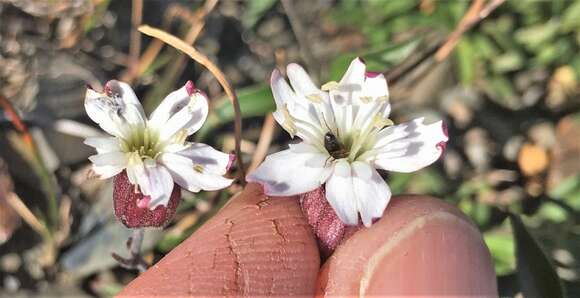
[134,261]
[441,50]
[475,14]
[176,66]
[305,50]
[44,173]
[264,143]
[196,21]
[203,60]
[135,45]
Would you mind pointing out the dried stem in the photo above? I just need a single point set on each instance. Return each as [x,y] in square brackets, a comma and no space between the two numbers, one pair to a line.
[264,142]
[203,60]
[475,14]
[44,173]
[442,50]
[298,29]
[22,210]
[175,10]
[135,45]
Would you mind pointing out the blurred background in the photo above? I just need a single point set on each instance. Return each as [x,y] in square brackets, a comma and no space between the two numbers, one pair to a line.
[504,76]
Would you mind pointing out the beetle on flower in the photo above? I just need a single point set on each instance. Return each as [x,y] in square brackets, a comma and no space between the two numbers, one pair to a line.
[151,159]
[346,136]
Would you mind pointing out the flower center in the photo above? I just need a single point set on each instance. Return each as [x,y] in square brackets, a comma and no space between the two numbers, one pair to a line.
[143,141]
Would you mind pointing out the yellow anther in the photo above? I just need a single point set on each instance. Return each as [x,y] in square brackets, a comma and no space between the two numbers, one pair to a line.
[198,168]
[366,99]
[288,124]
[383,98]
[380,122]
[329,86]
[180,137]
[315,98]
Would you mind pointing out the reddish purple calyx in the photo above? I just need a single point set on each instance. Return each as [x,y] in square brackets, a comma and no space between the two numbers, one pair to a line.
[329,230]
[132,209]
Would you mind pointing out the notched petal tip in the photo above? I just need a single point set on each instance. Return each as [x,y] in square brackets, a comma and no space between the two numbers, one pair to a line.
[112,88]
[362,60]
[444,128]
[441,146]
[189,87]
[231,161]
[372,74]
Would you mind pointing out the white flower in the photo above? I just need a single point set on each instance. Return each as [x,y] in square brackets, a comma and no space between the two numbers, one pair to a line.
[346,135]
[154,152]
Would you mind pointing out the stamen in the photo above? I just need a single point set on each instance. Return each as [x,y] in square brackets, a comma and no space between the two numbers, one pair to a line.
[315,98]
[288,124]
[366,99]
[380,122]
[329,86]
[383,98]
[198,168]
[180,136]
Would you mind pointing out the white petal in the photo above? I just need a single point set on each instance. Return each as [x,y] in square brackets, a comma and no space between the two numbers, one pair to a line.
[294,113]
[371,191]
[280,89]
[301,81]
[293,171]
[104,144]
[354,77]
[340,193]
[154,181]
[114,158]
[171,104]
[375,87]
[123,91]
[190,118]
[320,108]
[410,146]
[183,170]
[105,112]
[213,161]
[123,94]
[105,172]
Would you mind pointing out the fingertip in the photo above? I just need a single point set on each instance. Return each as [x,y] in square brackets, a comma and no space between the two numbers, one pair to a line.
[422,246]
[254,246]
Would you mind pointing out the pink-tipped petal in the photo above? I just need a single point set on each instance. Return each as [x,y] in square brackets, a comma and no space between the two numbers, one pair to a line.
[231,161]
[189,87]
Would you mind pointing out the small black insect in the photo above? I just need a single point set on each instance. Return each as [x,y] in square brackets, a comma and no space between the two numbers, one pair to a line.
[334,147]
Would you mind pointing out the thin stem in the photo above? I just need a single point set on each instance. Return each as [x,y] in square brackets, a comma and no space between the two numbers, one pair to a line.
[298,29]
[219,75]
[45,175]
[134,261]
[136,241]
[135,45]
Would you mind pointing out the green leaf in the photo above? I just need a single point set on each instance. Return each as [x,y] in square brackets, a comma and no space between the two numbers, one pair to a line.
[570,20]
[535,272]
[466,61]
[507,62]
[537,36]
[254,101]
[501,246]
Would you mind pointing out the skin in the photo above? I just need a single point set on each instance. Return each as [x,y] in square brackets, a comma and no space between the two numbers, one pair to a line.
[263,246]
